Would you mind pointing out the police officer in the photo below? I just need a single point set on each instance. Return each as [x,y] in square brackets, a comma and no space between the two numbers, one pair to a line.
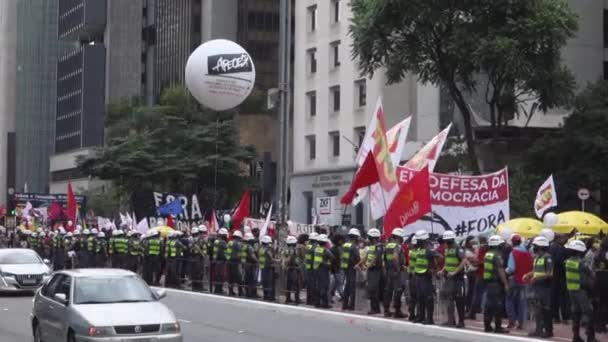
[349,260]
[233,256]
[152,260]
[58,249]
[453,287]
[118,249]
[541,277]
[426,260]
[495,279]
[70,253]
[579,281]
[309,250]
[394,261]
[173,252]
[373,264]
[249,262]
[292,263]
[266,258]
[32,241]
[412,294]
[198,254]
[101,250]
[219,260]
[90,248]
[134,250]
[321,262]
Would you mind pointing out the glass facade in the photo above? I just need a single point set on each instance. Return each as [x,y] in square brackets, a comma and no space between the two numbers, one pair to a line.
[37,54]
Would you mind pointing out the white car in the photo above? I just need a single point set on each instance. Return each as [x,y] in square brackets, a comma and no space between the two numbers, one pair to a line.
[101,305]
[22,270]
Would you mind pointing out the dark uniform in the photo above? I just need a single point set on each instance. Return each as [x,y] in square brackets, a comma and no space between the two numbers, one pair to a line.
[234,270]
[69,245]
[394,261]
[249,263]
[412,294]
[89,253]
[293,264]
[118,251]
[198,255]
[579,282]
[309,251]
[495,291]
[453,288]
[135,252]
[542,292]
[173,252]
[425,290]
[349,258]
[373,263]
[321,262]
[219,265]
[101,252]
[152,260]
[58,252]
[265,258]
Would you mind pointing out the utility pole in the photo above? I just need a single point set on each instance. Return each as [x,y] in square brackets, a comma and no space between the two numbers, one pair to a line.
[284,107]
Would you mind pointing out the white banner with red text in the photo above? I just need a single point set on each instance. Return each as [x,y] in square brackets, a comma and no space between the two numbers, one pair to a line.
[467,205]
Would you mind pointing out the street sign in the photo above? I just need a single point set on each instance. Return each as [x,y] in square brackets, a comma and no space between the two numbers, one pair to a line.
[583,194]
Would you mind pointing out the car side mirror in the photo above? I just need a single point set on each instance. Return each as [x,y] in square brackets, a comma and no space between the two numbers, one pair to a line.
[161,293]
[47,262]
[61,298]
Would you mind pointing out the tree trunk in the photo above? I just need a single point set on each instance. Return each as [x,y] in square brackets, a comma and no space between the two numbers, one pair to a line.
[466,115]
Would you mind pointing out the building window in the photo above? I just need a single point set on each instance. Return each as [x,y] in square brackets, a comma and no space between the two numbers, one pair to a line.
[335,53]
[361,89]
[312,18]
[312,103]
[312,60]
[335,7]
[605,70]
[311,143]
[606,28]
[309,207]
[334,138]
[335,98]
[359,135]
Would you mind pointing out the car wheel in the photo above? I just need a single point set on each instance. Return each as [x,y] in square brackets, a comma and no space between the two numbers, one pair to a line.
[37,334]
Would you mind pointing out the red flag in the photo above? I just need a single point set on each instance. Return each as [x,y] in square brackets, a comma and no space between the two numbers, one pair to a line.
[55,212]
[72,207]
[211,222]
[411,203]
[170,222]
[241,212]
[365,176]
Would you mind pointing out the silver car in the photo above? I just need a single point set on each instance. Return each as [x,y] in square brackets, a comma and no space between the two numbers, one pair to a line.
[101,305]
[22,270]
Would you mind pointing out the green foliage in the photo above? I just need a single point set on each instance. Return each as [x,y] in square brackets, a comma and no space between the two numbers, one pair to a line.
[522,192]
[578,154]
[515,44]
[172,147]
[104,203]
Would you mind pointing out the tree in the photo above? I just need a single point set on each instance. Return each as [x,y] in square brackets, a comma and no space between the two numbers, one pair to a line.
[175,146]
[514,45]
[578,153]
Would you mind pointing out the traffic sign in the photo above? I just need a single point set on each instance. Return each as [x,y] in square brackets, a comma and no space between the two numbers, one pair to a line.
[583,194]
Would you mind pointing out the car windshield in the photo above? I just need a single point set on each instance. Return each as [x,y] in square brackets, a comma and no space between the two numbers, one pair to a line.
[111,290]
[19,258]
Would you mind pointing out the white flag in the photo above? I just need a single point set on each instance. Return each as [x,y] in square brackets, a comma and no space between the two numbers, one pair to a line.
[396,137]
[546,197]
[143,227]
[26,211]
[264,230]
[430,153]
[123,220]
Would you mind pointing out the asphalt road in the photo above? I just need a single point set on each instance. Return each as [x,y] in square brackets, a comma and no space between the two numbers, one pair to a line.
[209,318]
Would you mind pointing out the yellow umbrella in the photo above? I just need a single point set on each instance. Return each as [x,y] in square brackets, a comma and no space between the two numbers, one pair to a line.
[163,230]
[585,223]
[526,227]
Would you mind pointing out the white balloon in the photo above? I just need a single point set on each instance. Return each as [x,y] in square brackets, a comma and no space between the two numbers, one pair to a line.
[550,220]
[227,218]
[506,232]
[548,233]
[220,74]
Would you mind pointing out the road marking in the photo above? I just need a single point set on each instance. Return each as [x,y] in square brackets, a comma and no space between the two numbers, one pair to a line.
[416,328]
[183,320]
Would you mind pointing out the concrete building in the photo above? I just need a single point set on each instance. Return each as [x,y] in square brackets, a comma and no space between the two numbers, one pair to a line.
[333,104]
[8,74]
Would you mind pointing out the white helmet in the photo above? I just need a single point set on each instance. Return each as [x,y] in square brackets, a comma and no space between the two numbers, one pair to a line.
[68,234]
[34,234]
[266,239]
[422,235]
[398,232]
[129,233]
[61,230]
[202,228]
[541,241]
[223,232]
[77,232]
[194,231]
[414,240]
[449,235]
[291,240]
[373,232]
[119,232]
[78,227]
[313,236]
[101,235]
[94,231]
[354,232]
[27,232]
[495,241]
[577,245]
[547,233]
[323,238]
[39,230]
[237,234]
[249,237]
[153,233]
[247,229]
